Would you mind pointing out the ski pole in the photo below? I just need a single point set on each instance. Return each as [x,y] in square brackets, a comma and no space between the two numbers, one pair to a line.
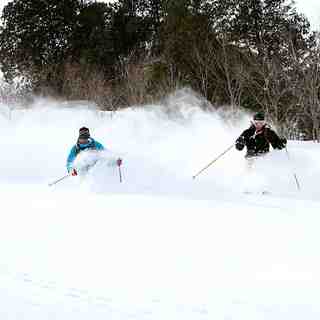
[58,180]
[294,174]
[120,175]
[213,161]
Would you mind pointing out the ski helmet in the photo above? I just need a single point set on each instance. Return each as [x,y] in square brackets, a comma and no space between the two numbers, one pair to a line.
[84,133]
[259,116]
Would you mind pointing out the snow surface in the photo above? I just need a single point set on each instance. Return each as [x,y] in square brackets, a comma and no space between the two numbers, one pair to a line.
[160,245]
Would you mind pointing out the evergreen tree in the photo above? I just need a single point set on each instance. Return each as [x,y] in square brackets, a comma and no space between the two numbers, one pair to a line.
[36,34]
[92,40]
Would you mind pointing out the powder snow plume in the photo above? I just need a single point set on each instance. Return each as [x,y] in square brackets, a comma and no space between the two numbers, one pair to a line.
[162,146]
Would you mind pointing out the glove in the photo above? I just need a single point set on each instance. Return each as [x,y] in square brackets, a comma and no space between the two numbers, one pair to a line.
[73,172]
[119,162]
[284,141]
[240,143]
[239,146]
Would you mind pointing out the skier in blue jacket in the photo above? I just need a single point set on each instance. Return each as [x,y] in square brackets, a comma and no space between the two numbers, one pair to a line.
[85,142]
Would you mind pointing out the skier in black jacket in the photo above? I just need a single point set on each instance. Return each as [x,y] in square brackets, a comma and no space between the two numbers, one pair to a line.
[258,138]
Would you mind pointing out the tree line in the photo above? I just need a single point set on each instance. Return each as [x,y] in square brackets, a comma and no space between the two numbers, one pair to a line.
[251,54]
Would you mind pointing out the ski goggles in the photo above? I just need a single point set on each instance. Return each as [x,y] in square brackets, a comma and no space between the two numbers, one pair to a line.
[83,141]
[259,122]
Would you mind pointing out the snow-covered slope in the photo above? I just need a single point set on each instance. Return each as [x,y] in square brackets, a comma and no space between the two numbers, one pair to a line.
[160,245]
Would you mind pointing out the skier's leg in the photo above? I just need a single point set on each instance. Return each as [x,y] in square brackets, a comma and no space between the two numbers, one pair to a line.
[249,174]
[250,164]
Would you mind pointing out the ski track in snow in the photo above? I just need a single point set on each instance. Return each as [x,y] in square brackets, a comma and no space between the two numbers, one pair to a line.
[160,245]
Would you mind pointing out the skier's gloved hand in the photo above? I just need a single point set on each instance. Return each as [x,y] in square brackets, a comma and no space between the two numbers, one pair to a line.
[119,162]
[239,146]
[73,172]
[240,143]
[284,142]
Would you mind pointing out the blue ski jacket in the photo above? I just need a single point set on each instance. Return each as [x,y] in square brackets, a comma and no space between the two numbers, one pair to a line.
[92,145]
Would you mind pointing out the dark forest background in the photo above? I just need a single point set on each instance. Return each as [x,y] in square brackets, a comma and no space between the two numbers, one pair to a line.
[248,54]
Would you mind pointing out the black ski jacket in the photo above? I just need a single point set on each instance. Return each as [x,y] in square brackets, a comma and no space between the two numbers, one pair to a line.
[258,142]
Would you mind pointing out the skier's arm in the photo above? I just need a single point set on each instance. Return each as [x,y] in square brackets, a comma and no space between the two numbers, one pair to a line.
[275,140]
[99,146]
[241,141]
[72,155]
